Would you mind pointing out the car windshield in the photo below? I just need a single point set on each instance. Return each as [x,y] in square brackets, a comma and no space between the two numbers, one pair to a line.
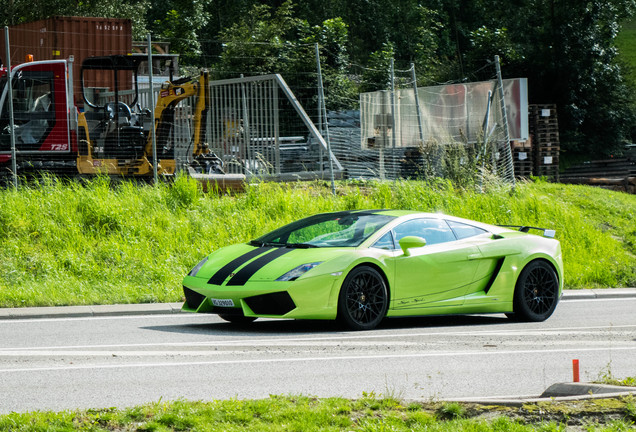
[340,229]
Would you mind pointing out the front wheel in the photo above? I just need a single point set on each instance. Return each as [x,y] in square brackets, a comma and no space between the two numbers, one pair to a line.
[536,293]
[363,299]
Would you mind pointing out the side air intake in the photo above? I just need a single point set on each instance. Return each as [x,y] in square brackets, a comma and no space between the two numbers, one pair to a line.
[193,298]
[278,303]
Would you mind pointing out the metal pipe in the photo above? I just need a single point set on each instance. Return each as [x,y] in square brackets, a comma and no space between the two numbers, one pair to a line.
[14,165]
[505,118]
[152,111]
[321,93]
[417,103]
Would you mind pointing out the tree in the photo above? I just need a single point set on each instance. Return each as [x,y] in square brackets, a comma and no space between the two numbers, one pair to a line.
[569,56]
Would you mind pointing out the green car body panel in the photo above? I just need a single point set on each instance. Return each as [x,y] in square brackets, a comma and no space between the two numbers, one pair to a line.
[476,274]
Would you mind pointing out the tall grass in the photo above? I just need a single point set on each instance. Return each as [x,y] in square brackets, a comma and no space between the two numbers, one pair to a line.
[67,243]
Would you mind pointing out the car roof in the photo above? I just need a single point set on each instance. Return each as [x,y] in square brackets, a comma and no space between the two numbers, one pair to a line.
[402,215]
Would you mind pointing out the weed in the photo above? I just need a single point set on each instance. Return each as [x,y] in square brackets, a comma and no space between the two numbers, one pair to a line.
[451,411]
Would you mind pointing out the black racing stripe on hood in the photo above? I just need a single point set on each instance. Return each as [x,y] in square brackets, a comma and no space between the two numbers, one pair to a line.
[219,277]
[248,271]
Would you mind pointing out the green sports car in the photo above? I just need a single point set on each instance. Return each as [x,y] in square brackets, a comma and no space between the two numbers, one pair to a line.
[361,266]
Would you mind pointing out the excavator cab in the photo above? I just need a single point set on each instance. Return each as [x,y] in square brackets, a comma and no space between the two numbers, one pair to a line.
[116,131]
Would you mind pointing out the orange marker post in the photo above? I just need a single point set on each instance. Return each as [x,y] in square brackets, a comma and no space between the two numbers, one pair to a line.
[575,370]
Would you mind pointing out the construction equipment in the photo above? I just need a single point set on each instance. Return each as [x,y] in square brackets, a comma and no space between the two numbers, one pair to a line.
[113,138]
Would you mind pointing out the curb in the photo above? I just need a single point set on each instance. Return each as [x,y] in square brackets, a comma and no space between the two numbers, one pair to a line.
[90,311]
[559,392]
[173,308]
[606,293]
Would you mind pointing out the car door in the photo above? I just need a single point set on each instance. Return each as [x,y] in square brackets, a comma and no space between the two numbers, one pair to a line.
[491,259]
[437,274]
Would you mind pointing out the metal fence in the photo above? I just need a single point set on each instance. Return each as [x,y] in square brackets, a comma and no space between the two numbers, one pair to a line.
[257,126]
[248,126]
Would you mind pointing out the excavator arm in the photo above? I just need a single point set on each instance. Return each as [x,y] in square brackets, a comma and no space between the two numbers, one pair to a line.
[169,97]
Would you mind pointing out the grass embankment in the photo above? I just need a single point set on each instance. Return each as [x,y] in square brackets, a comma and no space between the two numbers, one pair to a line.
[66,243]
[335,414]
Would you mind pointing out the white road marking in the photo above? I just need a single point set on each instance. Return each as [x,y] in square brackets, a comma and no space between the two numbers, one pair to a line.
[304,346]
[310,359]
[378,334]
[207,317]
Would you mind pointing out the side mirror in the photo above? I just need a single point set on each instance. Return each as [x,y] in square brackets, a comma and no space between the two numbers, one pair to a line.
[409,242]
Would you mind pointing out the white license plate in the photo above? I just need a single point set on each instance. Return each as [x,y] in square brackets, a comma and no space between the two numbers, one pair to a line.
[223,302]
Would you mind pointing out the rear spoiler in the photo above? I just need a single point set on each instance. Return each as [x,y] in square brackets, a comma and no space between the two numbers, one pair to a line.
[546,232]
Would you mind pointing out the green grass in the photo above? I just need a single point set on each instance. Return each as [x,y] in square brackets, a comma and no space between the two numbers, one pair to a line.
[304,414]
[64,243]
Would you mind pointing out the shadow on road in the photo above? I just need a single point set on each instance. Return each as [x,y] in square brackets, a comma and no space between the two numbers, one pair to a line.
[287,327]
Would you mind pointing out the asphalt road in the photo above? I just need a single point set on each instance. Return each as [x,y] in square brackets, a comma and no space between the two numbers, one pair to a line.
[65,363]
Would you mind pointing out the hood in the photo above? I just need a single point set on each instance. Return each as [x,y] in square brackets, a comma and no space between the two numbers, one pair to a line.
[238,264]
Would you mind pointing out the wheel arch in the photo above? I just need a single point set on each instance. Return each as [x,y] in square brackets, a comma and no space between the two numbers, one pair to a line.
[379,270]
[526,299]
[558,271]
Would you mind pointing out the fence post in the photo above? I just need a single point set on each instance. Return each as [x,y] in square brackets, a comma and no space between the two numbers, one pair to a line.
[321,97]
[247,133]
[152,110]
[14,165]
[393,128]
[320,102]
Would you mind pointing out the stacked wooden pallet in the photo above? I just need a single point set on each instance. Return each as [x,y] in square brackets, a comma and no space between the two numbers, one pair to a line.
[523,158]
[544,130]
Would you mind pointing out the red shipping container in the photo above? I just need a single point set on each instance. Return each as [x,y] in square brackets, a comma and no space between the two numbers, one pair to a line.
[61,37]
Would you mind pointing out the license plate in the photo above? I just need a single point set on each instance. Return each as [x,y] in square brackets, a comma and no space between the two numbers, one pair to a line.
[223,302]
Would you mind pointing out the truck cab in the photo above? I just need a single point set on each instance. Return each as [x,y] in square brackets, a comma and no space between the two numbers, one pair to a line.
[44,119]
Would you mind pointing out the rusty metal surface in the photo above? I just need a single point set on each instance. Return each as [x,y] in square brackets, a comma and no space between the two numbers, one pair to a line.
[61,37]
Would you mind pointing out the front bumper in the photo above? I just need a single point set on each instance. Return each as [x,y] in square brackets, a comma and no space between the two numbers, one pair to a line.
[306,298]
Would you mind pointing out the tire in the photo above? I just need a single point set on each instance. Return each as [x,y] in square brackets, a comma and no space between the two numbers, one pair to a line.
[363,299]
[536,293]
[237,319]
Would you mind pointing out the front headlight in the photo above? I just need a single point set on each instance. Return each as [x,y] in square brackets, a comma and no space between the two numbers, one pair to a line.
[197,267]
[294,274]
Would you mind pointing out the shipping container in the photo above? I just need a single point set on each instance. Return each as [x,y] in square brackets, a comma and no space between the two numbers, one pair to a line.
[62,37]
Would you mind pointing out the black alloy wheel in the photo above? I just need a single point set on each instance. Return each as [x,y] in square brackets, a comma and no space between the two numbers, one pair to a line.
[536,293]
[363,300]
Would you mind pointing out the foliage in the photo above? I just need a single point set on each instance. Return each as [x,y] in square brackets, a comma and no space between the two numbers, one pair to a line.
[180,24]
[260,41]
[567,49]
[64,243]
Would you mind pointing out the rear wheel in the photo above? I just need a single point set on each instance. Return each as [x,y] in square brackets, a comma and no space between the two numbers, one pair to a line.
[536,293]
[237,319]
[363,300]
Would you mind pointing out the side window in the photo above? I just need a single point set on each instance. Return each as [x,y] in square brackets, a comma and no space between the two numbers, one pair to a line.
[432,230]
[32,108]
[463,231]
[385,242]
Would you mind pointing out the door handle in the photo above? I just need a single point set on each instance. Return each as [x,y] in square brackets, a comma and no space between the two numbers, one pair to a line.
[474,256]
